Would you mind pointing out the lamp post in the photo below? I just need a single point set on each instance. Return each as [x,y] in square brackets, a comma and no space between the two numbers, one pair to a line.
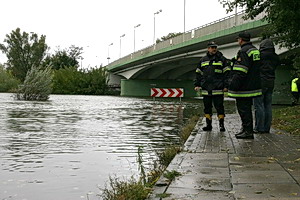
[134,36]
[183,21]
[121,43]
[156,13]
[235,16]
[108,52]
[81,62]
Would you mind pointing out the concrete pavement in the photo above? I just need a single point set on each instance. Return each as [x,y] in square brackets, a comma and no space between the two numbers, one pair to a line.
[215,166]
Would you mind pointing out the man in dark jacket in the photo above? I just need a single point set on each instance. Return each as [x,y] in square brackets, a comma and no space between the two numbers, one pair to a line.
[245,83]
[211,77]
[263,104]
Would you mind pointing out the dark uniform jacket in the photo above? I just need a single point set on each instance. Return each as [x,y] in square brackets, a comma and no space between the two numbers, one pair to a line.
[245,75]
[269,62]
[212,74]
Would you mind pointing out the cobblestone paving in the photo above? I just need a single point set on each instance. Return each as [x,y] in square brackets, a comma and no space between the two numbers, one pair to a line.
[216,165]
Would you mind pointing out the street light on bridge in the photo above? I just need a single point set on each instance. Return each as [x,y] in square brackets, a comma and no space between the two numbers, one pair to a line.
[183,20]
[156,13]
[134,36]
[108,52]
[121,43]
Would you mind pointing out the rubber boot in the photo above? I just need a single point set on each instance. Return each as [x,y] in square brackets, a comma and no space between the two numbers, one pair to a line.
[245,135]
[240,132]
[221,122]
[208,126]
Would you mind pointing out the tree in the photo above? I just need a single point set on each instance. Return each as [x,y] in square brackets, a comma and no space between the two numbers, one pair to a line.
[282,15]
[167,37]
[23,52]
[283,18]
[37,85]
[72,81]
[65,58]
[7,81]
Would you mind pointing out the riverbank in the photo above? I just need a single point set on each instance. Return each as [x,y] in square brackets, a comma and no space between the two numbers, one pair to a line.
[216,165]
[287,118]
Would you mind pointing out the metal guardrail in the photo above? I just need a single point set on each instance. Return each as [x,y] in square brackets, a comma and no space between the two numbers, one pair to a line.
[206,29]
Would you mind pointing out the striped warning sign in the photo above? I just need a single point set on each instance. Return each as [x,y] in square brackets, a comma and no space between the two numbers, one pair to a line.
[166,92]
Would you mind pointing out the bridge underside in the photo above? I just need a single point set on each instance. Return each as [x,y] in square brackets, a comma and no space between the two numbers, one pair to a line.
[174,73]
[141,87]
[180,73]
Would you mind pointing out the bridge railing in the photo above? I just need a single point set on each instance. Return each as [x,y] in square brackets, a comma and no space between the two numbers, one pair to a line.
[221,24]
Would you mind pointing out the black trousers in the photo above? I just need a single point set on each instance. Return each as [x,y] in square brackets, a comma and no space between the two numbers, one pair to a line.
[217,100]
[296,96]
[244,107]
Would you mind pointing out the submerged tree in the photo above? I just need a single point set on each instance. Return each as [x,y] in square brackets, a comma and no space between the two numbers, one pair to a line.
[23,51]
[37,85]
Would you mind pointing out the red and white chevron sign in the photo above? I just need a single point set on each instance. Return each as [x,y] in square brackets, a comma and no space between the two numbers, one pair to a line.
[166,92]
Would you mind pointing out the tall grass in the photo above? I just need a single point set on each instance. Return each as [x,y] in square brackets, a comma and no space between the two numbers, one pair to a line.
[139,189]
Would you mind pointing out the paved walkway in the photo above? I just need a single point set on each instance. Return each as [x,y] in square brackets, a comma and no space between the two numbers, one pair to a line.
[216,165]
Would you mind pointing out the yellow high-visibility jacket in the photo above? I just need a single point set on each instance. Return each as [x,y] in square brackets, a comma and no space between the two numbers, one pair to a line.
[294,86]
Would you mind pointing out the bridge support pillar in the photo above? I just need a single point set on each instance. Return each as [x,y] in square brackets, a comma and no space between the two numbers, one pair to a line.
[141,88]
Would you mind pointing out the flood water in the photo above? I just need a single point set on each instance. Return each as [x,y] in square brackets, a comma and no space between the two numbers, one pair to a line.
[66,148]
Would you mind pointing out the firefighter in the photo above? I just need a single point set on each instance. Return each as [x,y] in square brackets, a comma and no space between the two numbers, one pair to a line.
[245,83]
[211,78]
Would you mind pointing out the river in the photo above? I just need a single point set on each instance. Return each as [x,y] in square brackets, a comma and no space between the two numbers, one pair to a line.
[66,148]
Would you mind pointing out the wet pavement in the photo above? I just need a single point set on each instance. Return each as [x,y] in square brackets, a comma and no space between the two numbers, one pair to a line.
[215,166]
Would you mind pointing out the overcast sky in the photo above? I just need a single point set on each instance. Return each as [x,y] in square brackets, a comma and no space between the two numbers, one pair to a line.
[94,24]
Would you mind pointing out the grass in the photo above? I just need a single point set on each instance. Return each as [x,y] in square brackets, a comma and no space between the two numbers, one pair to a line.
[163,195]
[171,175]
[140,189]
[125,190]
[188,128]
[287,119]
[167,155]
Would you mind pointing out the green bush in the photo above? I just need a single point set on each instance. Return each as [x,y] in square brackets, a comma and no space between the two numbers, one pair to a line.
[37,85]
[8,82]
[72,81]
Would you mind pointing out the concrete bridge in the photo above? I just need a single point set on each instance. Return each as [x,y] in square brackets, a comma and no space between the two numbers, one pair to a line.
[172,63]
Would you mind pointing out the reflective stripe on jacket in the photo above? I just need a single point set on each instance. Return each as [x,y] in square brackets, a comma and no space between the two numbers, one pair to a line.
[213,92]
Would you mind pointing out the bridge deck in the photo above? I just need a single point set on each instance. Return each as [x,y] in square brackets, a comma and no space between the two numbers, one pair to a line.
[216,165]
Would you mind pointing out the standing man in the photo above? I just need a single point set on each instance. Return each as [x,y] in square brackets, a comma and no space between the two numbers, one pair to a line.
[263,104]
[210,77]
[245,83]
[295,88]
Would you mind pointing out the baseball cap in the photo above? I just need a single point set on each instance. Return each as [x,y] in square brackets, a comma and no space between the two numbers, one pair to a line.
[244,36]
[212,44]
